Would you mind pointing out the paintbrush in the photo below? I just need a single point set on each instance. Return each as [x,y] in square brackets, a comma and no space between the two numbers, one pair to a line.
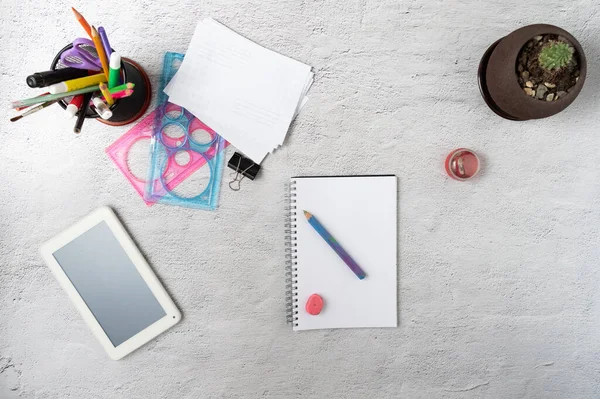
[34,109]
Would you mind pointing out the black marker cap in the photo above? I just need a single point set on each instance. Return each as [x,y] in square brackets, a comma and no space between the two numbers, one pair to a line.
[47,78]
[32,81]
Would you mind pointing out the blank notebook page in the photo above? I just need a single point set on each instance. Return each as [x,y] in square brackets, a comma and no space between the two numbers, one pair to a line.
[360,212]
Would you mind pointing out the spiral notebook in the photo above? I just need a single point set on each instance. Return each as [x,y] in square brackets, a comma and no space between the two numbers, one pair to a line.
[361,213]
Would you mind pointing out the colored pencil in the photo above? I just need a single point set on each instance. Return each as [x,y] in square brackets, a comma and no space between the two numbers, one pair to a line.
[100,50]
[105,42]
[107,96]
[122,87]
[32,110]
[83,22]
[335,245]
[119,95]
[27,106]
[49,97]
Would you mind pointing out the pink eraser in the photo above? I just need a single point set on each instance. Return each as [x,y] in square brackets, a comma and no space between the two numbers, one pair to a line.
[314,304]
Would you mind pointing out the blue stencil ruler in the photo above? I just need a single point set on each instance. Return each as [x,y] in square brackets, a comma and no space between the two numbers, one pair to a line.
[201,152]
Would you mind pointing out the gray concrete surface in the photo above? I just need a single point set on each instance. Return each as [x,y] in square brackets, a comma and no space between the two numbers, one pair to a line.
[498,278]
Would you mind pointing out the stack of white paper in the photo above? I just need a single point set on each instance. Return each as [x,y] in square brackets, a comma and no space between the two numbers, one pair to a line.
[246,93]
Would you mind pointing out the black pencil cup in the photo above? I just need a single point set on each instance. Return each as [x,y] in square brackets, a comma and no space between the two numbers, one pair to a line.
[125,110]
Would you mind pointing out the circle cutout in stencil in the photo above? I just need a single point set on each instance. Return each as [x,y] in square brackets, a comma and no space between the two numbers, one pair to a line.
[182,157]
[138,158]
[195,184]
[200,133]
[173,111]
[173,131]
[201,137]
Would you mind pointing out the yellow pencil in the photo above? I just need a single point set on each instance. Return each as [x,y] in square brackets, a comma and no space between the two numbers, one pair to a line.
[76,84]
[100,51]
[107,96]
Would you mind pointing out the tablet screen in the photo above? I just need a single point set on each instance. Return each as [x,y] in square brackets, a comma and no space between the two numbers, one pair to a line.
[109,283]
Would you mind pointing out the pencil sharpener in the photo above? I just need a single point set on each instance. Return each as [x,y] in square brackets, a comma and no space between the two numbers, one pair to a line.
[462,164]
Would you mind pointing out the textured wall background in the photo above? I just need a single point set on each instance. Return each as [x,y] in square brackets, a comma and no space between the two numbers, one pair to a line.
[499,280]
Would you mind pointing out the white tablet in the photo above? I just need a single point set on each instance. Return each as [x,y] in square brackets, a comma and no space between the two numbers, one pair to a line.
[110,283]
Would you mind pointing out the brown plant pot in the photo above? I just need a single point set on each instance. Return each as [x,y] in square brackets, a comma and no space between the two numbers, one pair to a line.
[498,80]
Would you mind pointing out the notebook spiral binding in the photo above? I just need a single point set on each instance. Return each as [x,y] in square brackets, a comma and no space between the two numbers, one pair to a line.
[291,256]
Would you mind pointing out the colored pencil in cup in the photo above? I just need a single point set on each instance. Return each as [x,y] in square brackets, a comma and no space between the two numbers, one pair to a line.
[122,87]
[49,97]
[119,95]
[83,22]
[107,96]
[335,245]
[100,50]
[27,106]
[105,42]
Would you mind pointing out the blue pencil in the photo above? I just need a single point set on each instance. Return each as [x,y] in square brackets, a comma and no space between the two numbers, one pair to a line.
[335,245]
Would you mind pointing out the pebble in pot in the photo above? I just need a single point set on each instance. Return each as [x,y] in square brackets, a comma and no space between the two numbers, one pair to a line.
[534,72]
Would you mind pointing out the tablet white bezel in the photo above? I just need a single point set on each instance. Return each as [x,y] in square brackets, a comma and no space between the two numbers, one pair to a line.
[105,214]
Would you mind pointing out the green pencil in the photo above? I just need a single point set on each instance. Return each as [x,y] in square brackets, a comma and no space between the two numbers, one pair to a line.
[50,97]
[124,86]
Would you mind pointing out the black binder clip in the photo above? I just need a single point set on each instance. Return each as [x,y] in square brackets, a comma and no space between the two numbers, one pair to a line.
[243,167]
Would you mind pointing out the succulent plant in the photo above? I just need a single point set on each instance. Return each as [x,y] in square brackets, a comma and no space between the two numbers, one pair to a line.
[555,55]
